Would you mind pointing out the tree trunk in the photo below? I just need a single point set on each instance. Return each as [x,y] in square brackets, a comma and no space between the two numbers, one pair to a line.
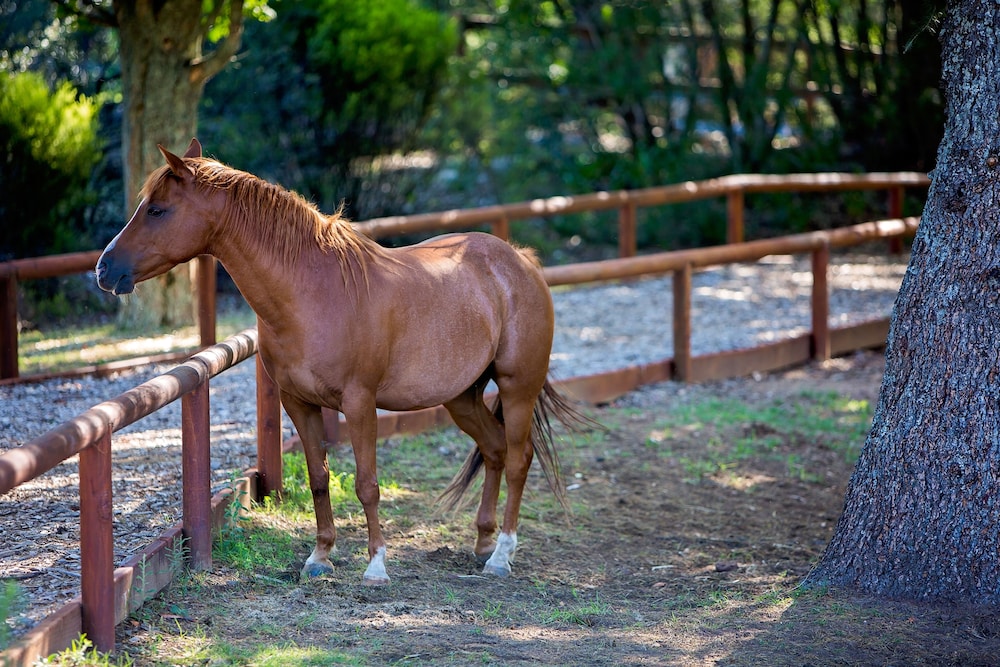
[920,516]
[163,77]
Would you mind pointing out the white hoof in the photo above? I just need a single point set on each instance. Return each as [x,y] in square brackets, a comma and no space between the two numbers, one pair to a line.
[503,555]
[317,564]
[375,574]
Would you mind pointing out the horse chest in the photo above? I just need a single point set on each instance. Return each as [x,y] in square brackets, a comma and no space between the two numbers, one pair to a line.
[300,379]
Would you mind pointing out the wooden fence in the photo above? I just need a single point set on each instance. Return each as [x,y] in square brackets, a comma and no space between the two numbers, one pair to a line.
[627,202]
[109,594]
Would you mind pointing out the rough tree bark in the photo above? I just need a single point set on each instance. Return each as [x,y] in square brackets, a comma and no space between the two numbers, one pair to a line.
[920,516]
[163,76]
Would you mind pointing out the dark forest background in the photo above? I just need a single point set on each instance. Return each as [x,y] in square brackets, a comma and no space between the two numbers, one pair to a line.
[404,106]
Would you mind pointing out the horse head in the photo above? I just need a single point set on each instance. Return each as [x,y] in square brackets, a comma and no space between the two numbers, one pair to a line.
[168,227]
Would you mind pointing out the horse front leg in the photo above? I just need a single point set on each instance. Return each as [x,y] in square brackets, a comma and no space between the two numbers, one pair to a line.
[308,420]
[362,424]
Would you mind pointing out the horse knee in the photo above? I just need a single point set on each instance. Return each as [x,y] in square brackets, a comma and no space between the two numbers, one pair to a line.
[367,491]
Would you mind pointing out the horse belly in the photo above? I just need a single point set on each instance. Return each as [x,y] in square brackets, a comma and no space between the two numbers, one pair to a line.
[436,366]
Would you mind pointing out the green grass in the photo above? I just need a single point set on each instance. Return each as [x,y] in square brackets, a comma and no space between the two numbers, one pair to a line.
[734,431]
[11,600]
[82,653]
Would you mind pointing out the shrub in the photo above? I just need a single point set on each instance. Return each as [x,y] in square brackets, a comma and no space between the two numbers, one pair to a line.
[49,146]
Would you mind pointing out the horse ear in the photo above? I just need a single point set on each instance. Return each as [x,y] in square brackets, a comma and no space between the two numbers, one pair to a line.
[194,149]
[176,164]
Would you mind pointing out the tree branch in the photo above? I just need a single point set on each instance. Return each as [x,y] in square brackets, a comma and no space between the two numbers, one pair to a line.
[92,11]
[208,66]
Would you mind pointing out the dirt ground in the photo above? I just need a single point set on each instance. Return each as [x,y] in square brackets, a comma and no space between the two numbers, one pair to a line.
[681,550]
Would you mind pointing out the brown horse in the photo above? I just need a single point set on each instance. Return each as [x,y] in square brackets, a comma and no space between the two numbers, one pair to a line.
[347,324]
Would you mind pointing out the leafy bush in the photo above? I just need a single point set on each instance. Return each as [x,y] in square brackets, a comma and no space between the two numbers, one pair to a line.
[49,145]
[350,81]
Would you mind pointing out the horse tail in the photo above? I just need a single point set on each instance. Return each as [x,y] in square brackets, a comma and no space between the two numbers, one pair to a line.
[550,404]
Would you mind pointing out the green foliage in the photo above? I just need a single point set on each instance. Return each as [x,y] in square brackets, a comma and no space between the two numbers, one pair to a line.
[49,142]
[217,15]
[81,653]
[352,81]
[379,63]
[296,495]
[11,600]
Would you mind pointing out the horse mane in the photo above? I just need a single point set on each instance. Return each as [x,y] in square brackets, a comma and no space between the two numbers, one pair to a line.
[284,222]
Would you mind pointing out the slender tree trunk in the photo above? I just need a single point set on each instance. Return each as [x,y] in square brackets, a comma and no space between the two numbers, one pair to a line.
[921,514]
[163,77]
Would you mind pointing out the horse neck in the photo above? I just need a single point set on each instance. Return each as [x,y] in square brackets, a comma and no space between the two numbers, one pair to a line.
[274,280]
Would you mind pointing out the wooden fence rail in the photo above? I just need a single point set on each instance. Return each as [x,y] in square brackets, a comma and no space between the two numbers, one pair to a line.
[55,266]
[109,594]
[734,188]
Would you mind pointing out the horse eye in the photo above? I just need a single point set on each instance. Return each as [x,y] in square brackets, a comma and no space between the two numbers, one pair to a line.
[155,212]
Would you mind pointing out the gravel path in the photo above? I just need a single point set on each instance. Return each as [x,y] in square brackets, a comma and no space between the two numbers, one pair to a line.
[598,328]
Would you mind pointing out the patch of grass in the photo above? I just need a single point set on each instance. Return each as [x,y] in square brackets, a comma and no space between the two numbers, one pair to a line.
[11,601]
[84,344]
[735,431]
[82,653]
[252,546]
[297,496]
[585,614]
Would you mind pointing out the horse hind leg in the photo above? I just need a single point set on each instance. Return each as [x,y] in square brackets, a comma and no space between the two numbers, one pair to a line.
[471,415]
[518,411]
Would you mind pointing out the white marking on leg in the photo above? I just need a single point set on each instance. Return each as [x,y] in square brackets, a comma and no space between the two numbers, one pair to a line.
[503,555]
[376,574]
[317,564]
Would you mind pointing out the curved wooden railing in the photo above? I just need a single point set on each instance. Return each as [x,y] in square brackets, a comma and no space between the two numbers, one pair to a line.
[109,594]
[734,188]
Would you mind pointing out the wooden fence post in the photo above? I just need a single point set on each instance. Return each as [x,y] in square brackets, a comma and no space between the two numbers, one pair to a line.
[501,228]
[821,303]
[97,585]
[734,216]
[196,473]
[682,323]
[8,327]
[268,434]
[627,234]
[205,275]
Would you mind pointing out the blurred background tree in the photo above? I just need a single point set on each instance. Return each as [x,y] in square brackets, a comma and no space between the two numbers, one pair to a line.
[347,83]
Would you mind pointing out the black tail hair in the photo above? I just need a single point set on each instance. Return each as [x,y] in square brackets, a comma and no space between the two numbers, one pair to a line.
[550,404]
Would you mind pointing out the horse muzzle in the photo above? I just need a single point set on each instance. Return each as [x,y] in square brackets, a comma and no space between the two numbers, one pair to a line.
[111,277]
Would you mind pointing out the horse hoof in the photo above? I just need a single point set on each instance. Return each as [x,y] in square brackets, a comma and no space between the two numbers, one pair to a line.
[375,581]
[497,571]
[316,569]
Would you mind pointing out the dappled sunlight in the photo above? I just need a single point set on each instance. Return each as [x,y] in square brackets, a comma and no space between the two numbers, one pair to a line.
[725,294]
[72,340]
[742,481]
[144,439]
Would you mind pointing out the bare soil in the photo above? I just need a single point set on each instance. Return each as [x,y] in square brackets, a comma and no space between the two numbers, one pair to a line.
[682,549]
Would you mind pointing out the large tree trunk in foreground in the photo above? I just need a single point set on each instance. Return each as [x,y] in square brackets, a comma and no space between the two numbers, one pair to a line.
[922,508]
[163,77]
